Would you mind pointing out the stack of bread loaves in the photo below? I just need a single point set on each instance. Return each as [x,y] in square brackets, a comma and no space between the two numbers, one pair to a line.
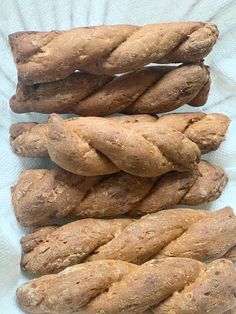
[115,169]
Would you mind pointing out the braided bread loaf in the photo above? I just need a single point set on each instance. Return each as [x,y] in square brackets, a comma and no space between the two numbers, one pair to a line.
[29,139]
[43,195]
[95,146]
[206,130]
[139,145]
[170,233]
[150,90]
[108,49]
[171,285]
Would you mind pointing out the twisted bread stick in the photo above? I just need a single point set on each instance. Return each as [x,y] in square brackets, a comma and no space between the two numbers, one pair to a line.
[139,145]
[43,195]
[171,285]
[108,49]
[171,233]
[96,146]
[150,90]
[206,130]
[29,139]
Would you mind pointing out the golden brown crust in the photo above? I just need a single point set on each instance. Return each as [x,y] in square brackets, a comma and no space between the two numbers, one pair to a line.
[60,192]
[207,130]
[149,90]
[51,249]
[101,146]
[188,233]
[96,146]
[212,292]
[29,139]
[178,284]
[108,49]
[42,195]
[194,188]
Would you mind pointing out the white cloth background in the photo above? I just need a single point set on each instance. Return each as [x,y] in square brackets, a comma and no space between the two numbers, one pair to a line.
[62,14]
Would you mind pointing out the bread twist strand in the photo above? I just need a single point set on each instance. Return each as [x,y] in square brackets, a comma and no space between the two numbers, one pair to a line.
[149,90]
[103,146]
[112,286]
[139,145]
[43,195]
[171,233]
[108,49]
[206,130]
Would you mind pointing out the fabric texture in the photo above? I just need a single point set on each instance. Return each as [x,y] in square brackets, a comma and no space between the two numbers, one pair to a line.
[16,15]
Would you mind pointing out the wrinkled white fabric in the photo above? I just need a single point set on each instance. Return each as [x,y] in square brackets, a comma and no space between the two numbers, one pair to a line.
[63,14]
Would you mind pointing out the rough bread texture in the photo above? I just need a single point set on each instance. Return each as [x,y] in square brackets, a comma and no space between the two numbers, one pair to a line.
[170,285]
[140,145]
[231,254]
[206,130]
[196,234]
[149,90]
[108,49]
[43,195]
[96,146]
[29,139]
